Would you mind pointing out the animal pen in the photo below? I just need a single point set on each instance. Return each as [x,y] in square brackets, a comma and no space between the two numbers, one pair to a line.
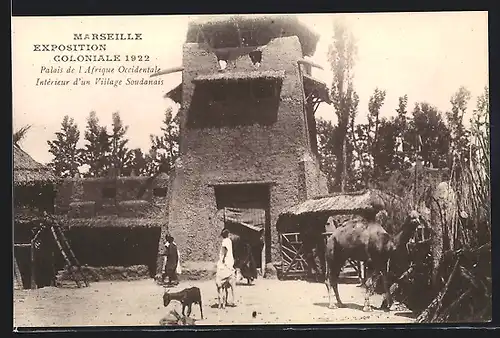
[305,227]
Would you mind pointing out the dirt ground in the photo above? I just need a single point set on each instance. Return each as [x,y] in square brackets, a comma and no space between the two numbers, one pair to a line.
[132,303]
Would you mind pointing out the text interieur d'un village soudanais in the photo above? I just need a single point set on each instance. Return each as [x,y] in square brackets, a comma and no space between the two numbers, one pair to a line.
[90,47]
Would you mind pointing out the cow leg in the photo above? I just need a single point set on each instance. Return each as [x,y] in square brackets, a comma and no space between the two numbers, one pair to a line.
[189,309]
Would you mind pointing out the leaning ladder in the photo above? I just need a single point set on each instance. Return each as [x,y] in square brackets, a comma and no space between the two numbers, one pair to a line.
[69,256]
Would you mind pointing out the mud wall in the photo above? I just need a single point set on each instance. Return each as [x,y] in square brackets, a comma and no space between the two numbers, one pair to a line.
[114,246]
[212,156]
[88,193]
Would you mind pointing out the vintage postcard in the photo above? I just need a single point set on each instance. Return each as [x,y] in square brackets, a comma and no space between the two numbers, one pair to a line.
[251,169]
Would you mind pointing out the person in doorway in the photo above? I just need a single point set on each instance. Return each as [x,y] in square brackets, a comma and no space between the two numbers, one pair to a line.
[226,272]
[170,262]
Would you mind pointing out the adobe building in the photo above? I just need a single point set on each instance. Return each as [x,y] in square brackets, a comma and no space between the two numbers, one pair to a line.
[113,221]
[247,130]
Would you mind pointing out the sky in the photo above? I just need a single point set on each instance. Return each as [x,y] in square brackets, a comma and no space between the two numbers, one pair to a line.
[427,56]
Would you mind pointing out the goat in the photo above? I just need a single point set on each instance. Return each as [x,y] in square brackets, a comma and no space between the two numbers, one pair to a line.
[186,297]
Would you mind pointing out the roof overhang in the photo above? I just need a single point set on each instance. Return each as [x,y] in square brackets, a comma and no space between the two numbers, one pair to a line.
[316,89]
[175,94]
[343,203]
[241,76]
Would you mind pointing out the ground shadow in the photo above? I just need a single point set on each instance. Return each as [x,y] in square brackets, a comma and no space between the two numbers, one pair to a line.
[351,306]
[215,306]
[244,284]
[348,280]
[406,314]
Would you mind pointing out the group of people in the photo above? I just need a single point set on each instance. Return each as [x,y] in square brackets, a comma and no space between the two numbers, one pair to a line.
[171,262]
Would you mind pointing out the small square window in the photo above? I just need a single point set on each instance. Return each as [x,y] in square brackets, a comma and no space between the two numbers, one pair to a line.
[109,192]
[160,192]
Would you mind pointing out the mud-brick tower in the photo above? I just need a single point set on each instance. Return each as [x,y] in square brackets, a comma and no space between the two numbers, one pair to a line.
[247,129]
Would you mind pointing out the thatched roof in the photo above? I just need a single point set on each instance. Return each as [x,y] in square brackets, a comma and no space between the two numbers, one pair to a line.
[221,31]
[317,88]
[237,76]
[28,171]
[114,221]
[343,203]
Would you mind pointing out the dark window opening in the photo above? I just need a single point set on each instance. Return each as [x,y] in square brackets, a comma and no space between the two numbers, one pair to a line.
[222,58]
[109,192]
[256,57]
[234,103]
[160,192]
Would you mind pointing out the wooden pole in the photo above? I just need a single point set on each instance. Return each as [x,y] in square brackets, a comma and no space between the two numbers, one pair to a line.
[263,255]
[32,259]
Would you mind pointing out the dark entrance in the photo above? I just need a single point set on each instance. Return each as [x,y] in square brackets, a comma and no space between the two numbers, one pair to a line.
[253,200]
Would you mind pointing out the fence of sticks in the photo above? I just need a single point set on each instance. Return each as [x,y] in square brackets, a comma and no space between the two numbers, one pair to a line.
[460,276]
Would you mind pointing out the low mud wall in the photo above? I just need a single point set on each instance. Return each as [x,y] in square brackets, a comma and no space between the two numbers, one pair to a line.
[106,273]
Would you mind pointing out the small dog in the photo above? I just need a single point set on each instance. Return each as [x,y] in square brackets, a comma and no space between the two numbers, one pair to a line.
[186,297]
[223,287]
[173,318]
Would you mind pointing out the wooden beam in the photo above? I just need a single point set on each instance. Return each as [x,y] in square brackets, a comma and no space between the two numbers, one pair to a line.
[168,71]
[310,63]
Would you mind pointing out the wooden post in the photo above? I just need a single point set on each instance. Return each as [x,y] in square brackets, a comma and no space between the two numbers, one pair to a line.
[263,256]
[32,275]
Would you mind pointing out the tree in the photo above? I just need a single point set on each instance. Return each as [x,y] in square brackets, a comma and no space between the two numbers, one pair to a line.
[428,124]
[141,163]
[341,54]
[366,140]
[121,156]
[401,159]
[165,148]
[326,133]
[97,150]
[459,135]
[384,152]
[67,157]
